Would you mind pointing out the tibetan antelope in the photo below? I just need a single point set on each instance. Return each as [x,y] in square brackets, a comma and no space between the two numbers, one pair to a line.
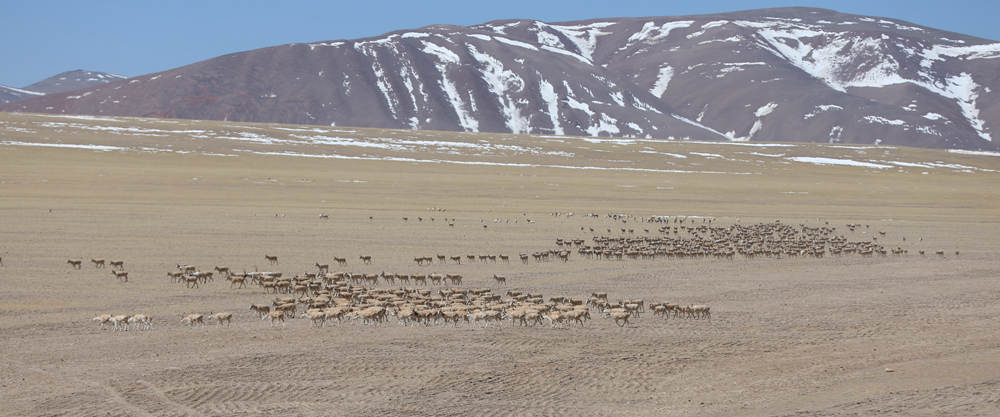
[240,280]
[220,318]
[273,316]
[260,310]
[98,263]
[122,275]
[223,270]
[75,263]
[192,319]
[119,265]
[271,260]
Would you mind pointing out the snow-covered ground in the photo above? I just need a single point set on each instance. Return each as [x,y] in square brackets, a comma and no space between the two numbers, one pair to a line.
[227,139]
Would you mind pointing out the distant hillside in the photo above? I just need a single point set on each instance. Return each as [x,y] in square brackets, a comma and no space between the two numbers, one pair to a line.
[73,80]
[11,94]
[66,81]
[789,74]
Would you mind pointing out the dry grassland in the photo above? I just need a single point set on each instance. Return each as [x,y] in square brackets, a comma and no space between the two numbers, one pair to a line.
[799,336]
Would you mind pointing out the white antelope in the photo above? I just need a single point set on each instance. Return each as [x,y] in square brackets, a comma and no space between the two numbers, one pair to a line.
[119,322]
[141,321]
[103,319]
[221,317]
[192,319]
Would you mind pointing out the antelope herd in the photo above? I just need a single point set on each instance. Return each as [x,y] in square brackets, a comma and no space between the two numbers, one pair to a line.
[470,258]
[121,322]
[325,297]
[340,297]
[341,302]
[750,241]
[117,267]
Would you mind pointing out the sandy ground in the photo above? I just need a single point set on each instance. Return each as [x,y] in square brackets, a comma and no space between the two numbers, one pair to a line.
[788,336]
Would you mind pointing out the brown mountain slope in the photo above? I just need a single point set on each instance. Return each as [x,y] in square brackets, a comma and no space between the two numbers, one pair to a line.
[793,74]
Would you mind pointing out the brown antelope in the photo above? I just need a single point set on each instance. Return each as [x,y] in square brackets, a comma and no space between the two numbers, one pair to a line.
[98,263]
[240,280]
[621,317]
[500,279]
[260,310]
[340,261]
[75,263]
[272,260]
[367,259]
[120,265]
[323,268]
[191,281]
[122,275]
[457,259]
[273,316]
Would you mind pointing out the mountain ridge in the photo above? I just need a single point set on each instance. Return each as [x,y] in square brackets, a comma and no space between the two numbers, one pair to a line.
[62,82]
[783,74]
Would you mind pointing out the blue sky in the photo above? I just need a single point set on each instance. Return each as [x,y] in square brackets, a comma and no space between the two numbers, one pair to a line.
[41,38]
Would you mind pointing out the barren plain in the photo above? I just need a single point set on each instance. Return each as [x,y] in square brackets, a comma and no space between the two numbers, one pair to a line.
[833,336]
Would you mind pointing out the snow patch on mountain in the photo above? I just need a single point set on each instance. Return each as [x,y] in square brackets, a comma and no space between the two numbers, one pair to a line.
[663,78]
[584,37]
[515,43]
[503,84]
[651,32]
[446,58]
[551,99]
